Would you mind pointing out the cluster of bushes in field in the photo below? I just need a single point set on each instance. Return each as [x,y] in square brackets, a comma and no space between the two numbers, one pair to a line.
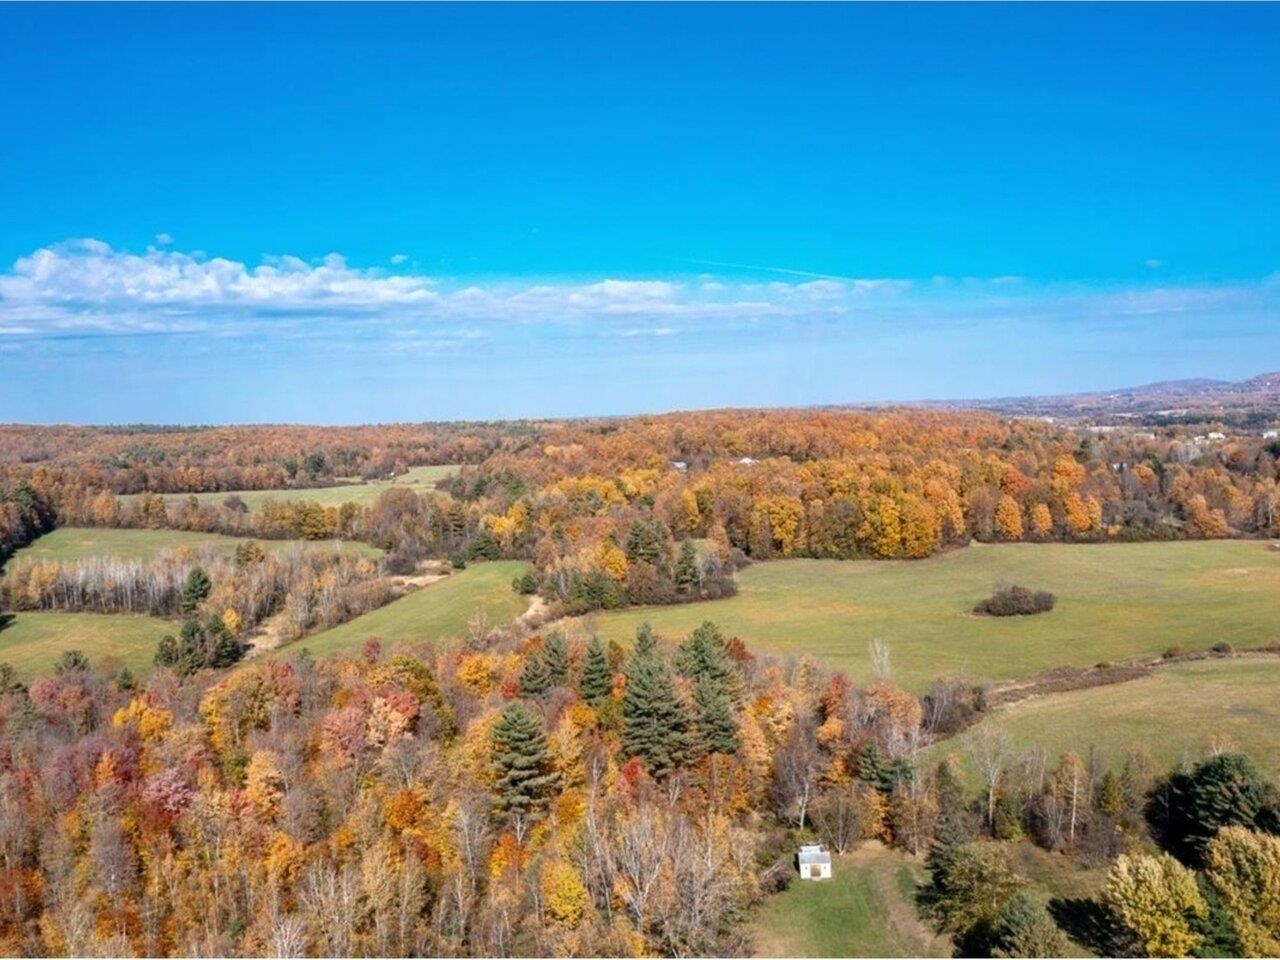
[1011,600]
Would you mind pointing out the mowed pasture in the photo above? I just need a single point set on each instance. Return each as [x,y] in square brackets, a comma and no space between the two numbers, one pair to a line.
[1174,713]
[418,479]
[1115,602]
[867,909]
[438,611]
[84,543]
[32,642]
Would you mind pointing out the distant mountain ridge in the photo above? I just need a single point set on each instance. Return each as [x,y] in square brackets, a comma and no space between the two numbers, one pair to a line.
[1193,395]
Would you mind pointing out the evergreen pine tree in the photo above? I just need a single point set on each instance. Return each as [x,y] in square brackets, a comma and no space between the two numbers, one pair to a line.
[70,661]
[556,656]
[1025,929]
[195,590]
[198,645]
[535,676]
[596,680]
[717,728]
[1188,809]
[525,774]
[872,769]
[954,826]
[647,542]
[646,641]
[655,727]
[687,567]
[484,546]
[703,656]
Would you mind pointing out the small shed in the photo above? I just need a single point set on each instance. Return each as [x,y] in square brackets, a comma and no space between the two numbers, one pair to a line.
[813,862]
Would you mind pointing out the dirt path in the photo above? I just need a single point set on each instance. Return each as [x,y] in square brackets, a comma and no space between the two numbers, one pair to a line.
[538,608]
[270,632]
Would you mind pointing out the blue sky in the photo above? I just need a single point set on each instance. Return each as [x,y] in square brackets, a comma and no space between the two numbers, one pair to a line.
[347,213]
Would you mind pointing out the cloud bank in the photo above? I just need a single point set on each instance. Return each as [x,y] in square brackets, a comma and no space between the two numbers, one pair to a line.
[86,288]
[92,332]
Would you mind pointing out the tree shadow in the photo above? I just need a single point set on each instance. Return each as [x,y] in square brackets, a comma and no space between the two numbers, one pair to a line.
[1090,924]
[6,619]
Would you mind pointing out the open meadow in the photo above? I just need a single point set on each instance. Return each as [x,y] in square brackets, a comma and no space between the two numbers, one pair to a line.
[1174,713]
[83,543]
[439,611]
[869,906]
[32,642]
[418,479]
[867,909]
[1115,602]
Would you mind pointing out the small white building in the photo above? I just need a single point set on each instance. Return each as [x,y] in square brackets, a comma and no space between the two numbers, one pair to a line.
[813,862]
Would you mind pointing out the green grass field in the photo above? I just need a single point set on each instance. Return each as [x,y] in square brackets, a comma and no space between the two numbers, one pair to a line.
[866,909]
[31,642]
[438,611]
[1172,713]
[418,479]
[82,543]
[1115,601]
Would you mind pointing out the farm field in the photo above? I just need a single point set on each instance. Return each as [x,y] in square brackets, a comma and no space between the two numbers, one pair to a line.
[1115,602]
[1175,711]
[82,543]
[866,909]
[31,642]
[435,612]
[418,479]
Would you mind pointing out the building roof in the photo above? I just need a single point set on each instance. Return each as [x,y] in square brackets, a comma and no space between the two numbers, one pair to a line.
[812,853]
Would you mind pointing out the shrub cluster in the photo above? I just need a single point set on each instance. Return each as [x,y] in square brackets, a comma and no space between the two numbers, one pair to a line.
[1016,601]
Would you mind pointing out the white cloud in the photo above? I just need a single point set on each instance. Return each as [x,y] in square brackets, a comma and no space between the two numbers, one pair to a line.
[88,288]
[1152,263]
[399,258]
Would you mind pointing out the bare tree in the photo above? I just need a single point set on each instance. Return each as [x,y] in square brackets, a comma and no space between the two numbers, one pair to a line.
[795,774]
[880,668]
[989,749]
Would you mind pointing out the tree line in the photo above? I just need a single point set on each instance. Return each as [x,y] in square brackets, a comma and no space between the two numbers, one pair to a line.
[663,509]
[553,796]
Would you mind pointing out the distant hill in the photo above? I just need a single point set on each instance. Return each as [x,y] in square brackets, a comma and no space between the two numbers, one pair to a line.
[1173,398]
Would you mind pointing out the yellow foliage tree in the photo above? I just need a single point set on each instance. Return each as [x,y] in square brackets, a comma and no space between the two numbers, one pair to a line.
[611,559]
[1008,518]
[1244,869]
[564,895]
[232,621]
[920,531]
[1157,900]
[264,784]
[1041,520]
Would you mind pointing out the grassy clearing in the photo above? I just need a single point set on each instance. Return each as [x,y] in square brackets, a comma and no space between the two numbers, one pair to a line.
[418,479]
[82,543]
[1115,602]
[436,612]
[866,909]
[31,642]
[1172,713]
